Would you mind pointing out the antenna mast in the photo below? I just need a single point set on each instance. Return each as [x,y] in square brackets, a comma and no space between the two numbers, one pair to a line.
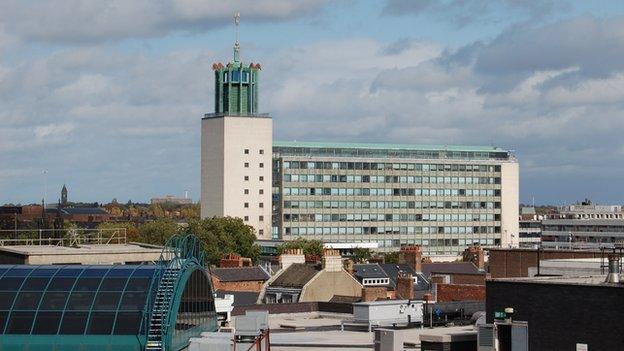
[237,44]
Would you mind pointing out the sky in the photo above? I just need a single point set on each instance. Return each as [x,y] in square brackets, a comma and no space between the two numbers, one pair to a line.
[107,96]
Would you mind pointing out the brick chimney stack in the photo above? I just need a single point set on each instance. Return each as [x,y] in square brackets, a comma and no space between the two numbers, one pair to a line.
[290,256]
[411,256]
[332,261]
[405,287]
[476,255]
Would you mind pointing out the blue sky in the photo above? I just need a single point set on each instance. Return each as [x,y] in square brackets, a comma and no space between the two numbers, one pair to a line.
[108,96]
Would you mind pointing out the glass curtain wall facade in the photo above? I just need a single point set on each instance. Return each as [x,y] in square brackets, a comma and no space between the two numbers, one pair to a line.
[443,199]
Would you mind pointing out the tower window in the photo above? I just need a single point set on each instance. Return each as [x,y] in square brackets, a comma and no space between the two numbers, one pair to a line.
[246,218]
[246,151]
[246,191]
[261,178]
[261,165]
[246,178]
[261,232]
[246,205]
[261,205]
[261,191]
[261,218]
[261,151]
[246,164]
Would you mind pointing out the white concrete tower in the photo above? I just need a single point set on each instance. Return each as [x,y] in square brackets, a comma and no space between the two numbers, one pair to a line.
[236,148]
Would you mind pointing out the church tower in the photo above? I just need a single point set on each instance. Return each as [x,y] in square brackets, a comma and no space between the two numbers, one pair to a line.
[236,147]
[64,195]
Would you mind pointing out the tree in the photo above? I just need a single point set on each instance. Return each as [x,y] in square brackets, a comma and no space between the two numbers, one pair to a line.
[309,246]
[158,231]
[361,255]
[391,257]
[223,235]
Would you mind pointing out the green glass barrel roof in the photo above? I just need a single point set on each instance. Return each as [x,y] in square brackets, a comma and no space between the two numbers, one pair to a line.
[74,300]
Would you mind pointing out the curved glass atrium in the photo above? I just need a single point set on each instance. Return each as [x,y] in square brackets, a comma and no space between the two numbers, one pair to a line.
[97,307]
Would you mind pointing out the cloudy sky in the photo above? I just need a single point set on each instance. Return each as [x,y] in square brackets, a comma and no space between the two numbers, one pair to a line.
[107,96]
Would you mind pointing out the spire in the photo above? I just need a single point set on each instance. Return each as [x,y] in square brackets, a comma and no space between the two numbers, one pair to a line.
[237,44]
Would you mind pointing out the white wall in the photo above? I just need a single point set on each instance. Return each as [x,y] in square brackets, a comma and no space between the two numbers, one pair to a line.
[510,187]
[224,140]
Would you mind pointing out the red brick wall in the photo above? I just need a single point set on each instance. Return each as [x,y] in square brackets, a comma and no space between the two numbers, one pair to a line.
[374,293]
[460,292]
[474,279]
[253,285]
[507,263]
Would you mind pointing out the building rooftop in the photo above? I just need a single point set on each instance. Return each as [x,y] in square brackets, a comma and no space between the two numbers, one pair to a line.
[393,270]
[375,146]
[296,276]
[450,268]
[81,254]
[590,280]
[363,271]
[240,274]
[241,298]
[404,151]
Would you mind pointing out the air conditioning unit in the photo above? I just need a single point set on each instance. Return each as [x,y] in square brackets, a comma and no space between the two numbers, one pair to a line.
[387,340]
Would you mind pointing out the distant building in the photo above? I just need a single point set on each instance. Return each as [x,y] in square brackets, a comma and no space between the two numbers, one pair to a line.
[530,234]
[171,199]
[64,195]
[584,226]
[81,254]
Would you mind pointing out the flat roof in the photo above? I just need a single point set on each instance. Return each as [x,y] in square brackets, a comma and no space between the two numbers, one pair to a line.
[590,280]
[376,146]
[87,249]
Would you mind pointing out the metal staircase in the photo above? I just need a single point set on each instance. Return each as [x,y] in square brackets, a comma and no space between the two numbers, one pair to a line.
[162,302]
[178,254]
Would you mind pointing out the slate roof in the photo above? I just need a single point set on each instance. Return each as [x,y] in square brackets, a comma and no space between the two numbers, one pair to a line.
[296,276]
[241,298]
[364,271]
[450,268]
[79,211]
[392,270]
[240,274]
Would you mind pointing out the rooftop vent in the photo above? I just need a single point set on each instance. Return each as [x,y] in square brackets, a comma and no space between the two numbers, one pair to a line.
[614,269]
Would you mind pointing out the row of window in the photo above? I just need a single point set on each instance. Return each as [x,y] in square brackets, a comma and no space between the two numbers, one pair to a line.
[260,218]
[479,205]
[260,205]
[391,230]
[336,178]
[430,244]
[390,192]
[246,191]
[246,151]
[71,323]
[260,178]
[392,166]
[390,217]
[246,165]
[236,76]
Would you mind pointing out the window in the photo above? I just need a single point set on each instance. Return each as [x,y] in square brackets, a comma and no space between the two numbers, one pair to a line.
[246,191]
[101,323]
[261,178]
[127,323]
[261,151]
[246,205]
[261,232]
[47,322]
[261,165]
[261,205]
[246,164]
[246,151]
[246,178]
[246,218]
[261,218]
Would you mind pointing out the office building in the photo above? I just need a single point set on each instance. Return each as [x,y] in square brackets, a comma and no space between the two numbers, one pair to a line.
[443,198]
[236,149]
[584,226]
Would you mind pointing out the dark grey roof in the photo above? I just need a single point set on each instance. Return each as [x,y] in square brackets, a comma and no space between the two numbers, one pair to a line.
[393,270]
[240,274]
[79,211]
[363,271]
[296,276]
[241,298]
[450,268]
